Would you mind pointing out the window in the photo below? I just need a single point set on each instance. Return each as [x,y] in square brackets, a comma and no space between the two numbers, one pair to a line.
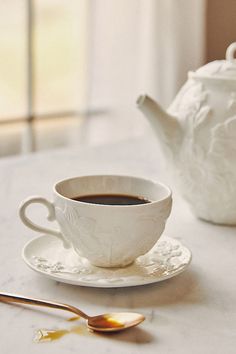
[42,59]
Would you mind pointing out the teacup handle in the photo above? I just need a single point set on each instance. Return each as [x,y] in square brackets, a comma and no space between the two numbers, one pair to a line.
[51,217]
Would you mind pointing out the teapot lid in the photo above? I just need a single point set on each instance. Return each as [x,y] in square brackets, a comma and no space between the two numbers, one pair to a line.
[219,69]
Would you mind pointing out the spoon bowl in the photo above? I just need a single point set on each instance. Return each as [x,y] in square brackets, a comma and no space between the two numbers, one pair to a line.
[113,322]
[108,322]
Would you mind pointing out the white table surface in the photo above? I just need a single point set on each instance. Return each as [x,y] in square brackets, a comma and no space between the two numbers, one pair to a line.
[195,312]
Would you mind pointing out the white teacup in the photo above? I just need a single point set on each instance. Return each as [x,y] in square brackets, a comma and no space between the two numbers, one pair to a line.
[107,235]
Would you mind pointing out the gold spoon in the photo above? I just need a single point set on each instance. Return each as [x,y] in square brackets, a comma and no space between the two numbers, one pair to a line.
[108,322]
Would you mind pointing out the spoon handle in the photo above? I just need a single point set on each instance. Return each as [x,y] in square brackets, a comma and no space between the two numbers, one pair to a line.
[5,297]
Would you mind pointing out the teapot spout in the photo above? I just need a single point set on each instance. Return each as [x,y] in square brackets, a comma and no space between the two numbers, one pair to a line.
[166,127]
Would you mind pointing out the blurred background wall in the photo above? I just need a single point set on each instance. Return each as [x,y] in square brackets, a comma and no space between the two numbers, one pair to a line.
[150,45]
[221,27]
[144,46]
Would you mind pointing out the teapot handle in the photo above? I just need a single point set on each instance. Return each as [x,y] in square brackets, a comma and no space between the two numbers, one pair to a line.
[230,52]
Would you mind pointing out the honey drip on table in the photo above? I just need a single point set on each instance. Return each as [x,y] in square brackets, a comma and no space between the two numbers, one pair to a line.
[74,318]
[49,335]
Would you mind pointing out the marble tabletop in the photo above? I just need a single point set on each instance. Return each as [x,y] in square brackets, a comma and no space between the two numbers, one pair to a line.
[194,312]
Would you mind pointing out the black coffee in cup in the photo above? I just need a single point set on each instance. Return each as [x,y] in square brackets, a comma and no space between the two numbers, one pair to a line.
[112,199]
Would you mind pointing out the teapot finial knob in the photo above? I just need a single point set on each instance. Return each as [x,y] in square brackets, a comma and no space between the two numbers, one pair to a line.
[230,52]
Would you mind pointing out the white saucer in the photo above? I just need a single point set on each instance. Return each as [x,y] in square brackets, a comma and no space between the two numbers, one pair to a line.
[46,255]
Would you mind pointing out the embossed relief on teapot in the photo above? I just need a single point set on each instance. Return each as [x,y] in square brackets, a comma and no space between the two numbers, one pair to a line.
[205,165]
[192,108]
[231,106]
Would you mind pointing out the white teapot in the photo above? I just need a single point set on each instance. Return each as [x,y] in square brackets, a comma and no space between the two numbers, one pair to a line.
[198,134]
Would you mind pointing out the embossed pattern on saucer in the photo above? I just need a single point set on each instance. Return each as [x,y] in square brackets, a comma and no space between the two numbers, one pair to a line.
[47,256]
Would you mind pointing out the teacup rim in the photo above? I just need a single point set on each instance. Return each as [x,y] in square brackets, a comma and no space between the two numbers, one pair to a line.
[155,182]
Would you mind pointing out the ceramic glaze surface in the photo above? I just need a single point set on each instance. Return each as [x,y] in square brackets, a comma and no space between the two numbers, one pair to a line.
[107,235]
[165,260]
[202,149]
[110,243]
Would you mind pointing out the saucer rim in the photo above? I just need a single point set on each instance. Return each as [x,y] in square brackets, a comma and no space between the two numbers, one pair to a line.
[141,282]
